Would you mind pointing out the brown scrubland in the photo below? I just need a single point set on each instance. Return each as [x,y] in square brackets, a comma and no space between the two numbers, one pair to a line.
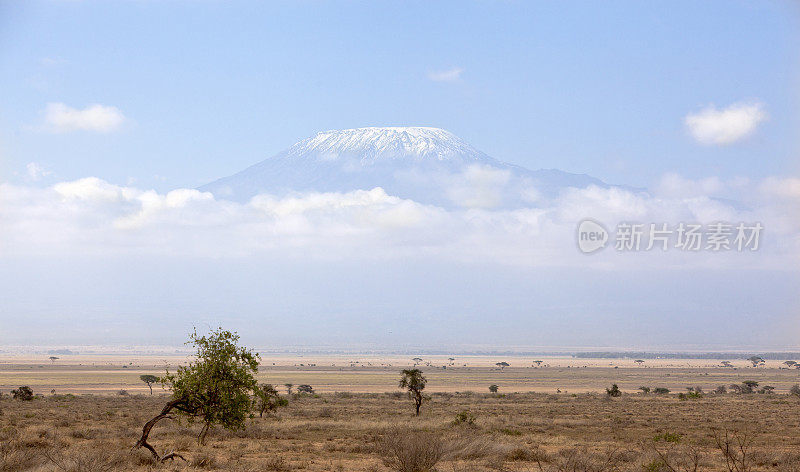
[456,431]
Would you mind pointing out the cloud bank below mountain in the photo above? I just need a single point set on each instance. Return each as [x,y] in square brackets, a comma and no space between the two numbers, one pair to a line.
[91,216]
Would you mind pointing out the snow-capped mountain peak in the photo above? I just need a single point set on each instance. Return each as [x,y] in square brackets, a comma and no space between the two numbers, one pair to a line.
[374,143]
[428,165]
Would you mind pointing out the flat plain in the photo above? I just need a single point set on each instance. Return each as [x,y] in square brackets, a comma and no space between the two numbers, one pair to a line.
[89,412]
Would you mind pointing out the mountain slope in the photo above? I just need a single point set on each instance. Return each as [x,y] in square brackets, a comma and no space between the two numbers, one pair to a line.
[429,165]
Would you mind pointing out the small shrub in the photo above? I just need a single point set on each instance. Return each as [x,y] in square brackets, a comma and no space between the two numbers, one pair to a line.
[493,388]
[668,437]
[795,390]
[721,390]
[23,393]
[614,391]
[411,451]
[464,417]
[690,395]
[749,386]
[122,392]
[661,391]
[655,465]
[520,453]
[511,432]
[645,390]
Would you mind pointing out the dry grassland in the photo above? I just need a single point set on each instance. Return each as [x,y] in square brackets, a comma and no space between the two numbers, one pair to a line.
[464,431]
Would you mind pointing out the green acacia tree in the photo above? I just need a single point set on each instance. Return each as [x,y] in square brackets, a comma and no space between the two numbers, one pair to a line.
[149,380]
[413,381]
[268,399]
[217,387]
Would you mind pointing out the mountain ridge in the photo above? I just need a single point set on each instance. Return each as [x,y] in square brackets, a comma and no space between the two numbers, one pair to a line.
[426,164]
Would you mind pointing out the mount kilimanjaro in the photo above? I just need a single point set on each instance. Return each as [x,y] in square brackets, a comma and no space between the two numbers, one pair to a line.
[428,165]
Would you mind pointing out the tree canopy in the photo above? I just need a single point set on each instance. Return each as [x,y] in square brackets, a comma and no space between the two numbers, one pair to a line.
[149,380]
[217,387]
[413,381]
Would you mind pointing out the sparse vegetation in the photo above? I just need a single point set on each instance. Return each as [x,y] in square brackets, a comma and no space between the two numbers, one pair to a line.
[149,379]
[268,399]
[691,394]
[474,431]
[329,432]
[412,451]
[22,393]
[414,382]
[464,417]
[215,388]
[613,391]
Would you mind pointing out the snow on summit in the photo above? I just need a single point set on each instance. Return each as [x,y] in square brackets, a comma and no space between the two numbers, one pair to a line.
[419,143]
[428,165]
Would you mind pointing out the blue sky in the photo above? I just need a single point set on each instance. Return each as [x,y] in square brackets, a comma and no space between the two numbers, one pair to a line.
[207,88]
[111,112]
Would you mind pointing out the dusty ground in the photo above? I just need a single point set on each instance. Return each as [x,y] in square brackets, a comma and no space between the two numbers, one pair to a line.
[346,431]
[376,374]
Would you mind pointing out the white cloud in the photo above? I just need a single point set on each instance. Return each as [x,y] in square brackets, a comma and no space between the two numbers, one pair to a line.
[714,126]
[478,186]
[36,171]
[672,185]
[788,187]
[61,118]
[90,216]
[448,75]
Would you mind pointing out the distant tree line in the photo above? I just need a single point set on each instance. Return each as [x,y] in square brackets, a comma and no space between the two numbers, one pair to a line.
[769,356]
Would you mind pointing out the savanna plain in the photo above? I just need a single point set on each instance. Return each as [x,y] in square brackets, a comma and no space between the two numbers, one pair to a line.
[560,414]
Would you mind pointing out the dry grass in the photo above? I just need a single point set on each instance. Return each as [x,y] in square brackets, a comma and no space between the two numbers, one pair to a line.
[377,432]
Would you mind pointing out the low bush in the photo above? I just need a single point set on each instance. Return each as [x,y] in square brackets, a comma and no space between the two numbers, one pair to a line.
[411,451]
[464,418]
[614,391]
[23,393]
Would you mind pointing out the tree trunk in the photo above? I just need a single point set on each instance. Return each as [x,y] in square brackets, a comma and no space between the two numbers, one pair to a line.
[151,388]
[201,440]
[142,442]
